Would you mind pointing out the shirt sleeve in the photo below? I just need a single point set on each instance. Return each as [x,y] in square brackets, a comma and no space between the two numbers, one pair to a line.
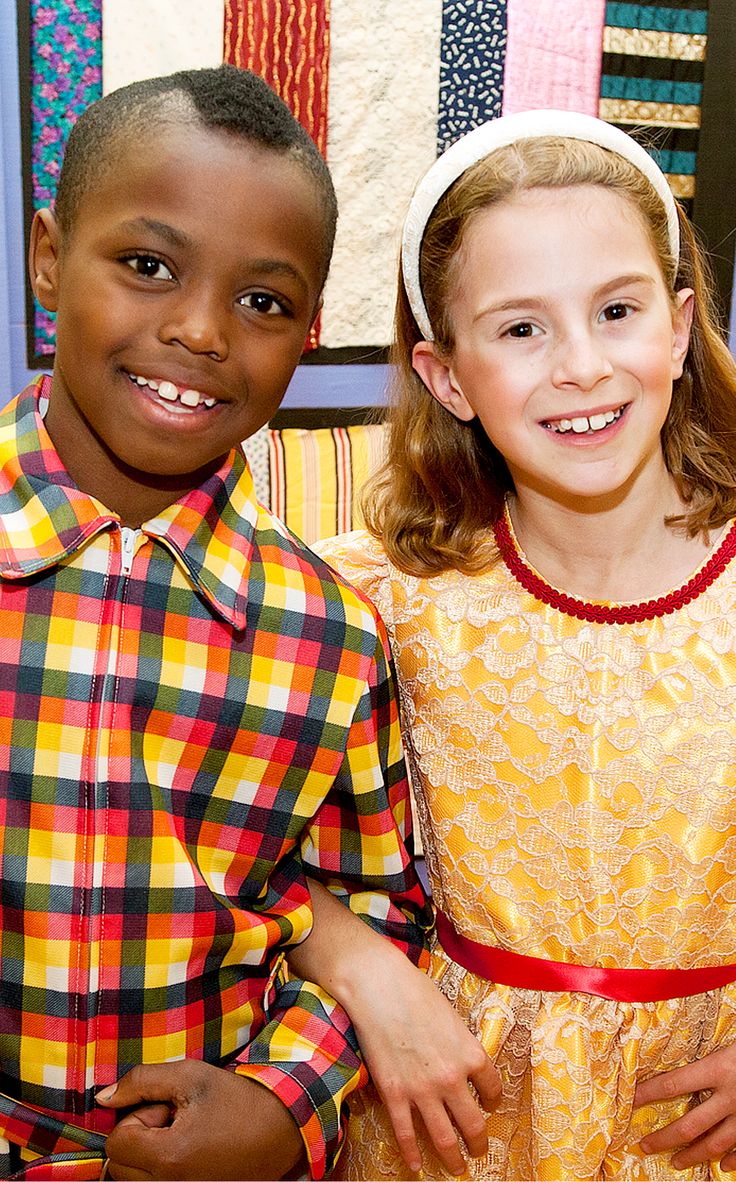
[359,844]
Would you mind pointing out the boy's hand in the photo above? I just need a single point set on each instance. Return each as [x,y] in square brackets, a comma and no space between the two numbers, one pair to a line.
[196,1121]
[707,1132]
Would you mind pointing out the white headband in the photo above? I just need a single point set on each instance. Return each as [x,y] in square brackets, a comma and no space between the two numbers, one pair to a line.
[497,133]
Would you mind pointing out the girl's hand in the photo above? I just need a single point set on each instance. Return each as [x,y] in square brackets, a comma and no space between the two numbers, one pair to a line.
[422,1057]
[420,1053]
[707,1132]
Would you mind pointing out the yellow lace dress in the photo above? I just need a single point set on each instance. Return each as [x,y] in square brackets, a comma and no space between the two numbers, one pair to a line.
[574,767]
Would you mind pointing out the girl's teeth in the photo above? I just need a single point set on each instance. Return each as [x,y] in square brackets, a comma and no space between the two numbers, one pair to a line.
[581,424]
[166,390]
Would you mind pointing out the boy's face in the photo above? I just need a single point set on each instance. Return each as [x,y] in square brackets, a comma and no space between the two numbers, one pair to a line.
[184,292]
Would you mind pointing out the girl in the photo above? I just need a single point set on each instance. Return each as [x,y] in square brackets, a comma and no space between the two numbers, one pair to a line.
[552,547]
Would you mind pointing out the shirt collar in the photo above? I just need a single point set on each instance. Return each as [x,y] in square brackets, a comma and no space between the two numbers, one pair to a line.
[45,518]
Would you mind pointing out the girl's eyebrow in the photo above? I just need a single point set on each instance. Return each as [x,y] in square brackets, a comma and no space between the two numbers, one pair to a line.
[535,303]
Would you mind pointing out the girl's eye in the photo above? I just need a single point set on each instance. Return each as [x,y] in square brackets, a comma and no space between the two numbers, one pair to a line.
[617,311]
[261,301]
[523,330]
[148,266]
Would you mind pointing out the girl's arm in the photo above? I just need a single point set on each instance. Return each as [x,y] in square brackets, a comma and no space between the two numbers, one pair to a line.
[419,1052]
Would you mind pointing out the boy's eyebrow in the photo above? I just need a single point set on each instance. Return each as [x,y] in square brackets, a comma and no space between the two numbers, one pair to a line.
[279,267]
[178,238]
[163,229]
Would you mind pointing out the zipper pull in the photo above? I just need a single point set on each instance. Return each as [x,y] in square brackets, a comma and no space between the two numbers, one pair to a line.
[127,547]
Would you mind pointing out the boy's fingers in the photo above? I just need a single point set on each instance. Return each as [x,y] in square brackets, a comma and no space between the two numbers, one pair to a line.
[137,1153]
[151,1116]
[152,1083]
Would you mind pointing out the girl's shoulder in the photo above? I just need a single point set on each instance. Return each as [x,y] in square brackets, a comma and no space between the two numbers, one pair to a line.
[359,558]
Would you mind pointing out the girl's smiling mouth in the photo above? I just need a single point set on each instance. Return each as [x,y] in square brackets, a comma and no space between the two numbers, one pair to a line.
[187,400]
[584,424]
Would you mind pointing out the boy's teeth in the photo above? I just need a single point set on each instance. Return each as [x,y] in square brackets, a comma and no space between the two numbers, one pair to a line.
[171,393]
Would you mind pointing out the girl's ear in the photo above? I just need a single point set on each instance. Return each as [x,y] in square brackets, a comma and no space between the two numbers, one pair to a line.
[682,322]
[43,259]
[436,373]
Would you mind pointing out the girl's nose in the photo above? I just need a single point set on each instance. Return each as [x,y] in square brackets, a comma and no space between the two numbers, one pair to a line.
[580,362]
[196,323]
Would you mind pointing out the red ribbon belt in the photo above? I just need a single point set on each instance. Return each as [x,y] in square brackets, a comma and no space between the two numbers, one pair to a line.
[532,972]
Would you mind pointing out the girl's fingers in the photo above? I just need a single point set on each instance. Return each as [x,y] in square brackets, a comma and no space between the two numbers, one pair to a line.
[487,1083]
[442,1134]
[471,1124]
[720,1141]
[401,1117]
[685,1129]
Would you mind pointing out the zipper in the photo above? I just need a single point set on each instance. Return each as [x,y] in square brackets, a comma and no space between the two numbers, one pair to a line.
[127,546]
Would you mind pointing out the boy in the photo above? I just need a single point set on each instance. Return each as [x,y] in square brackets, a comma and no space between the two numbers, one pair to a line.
[195,709]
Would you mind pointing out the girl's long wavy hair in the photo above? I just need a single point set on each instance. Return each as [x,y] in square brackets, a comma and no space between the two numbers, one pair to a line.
[443,483]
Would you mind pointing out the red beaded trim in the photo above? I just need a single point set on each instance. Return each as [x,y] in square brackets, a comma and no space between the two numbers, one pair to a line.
[625,613]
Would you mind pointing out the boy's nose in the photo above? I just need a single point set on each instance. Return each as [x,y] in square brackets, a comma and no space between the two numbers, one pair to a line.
[580,361]
[196,324]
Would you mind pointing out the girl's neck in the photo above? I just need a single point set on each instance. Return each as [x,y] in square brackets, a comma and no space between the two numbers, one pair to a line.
[612,553]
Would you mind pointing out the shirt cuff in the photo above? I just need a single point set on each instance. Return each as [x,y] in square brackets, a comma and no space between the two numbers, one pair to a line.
[308,1056]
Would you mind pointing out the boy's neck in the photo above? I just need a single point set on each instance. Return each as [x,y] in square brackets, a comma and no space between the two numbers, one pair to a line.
[135,496]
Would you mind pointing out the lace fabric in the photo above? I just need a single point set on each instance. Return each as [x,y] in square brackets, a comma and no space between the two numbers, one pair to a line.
[574,783]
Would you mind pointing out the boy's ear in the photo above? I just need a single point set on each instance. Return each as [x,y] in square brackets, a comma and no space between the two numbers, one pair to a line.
[682,322]
[43,259]
[436,373]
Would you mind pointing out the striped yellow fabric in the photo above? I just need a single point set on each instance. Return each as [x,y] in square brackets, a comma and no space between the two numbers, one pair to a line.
[316,477]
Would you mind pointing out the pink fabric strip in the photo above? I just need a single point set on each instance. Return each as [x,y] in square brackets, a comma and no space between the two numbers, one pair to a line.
[553,55]
[531,972]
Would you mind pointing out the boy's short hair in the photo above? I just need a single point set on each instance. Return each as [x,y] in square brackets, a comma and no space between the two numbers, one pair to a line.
[223,98]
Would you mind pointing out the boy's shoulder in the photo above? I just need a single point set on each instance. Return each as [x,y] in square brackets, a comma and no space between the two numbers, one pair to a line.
[285,563]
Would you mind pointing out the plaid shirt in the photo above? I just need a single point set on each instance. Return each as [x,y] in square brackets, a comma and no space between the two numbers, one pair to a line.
[194,714]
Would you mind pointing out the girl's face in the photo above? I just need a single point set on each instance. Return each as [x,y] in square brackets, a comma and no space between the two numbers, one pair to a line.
[566,341]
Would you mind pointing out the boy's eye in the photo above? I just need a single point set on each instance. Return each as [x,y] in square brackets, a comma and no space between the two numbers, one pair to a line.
[522,330]
[148,266]
[261,301]
[617,311]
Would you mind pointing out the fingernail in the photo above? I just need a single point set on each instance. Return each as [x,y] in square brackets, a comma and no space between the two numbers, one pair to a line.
[106,1094]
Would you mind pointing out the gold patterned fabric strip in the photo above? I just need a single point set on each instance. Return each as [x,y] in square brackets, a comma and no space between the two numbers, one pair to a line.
[653,43]
[648,113]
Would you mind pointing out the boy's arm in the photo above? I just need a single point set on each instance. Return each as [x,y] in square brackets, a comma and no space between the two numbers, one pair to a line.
[420,1053]
[356,842]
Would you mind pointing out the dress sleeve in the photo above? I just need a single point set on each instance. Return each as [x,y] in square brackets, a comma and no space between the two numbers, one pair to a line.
[359,844]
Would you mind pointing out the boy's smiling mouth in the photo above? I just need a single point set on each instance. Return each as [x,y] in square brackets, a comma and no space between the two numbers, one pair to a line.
[584,424]
[180,399]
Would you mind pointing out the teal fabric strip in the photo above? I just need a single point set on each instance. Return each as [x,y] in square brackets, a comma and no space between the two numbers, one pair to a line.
[663,20]
[651,90]
[679,163]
